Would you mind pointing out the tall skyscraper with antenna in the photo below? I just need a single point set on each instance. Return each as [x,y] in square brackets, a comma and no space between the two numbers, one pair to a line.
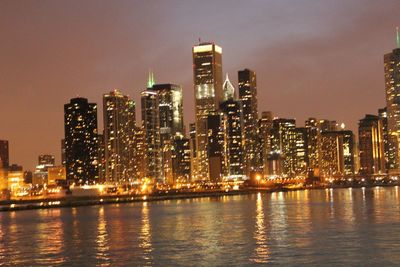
[207,77]
[392,88]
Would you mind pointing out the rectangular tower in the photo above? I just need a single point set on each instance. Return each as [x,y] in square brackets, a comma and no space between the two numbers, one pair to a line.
[392,88]
[119,123]
[248,95]
[81,144]
[207,77]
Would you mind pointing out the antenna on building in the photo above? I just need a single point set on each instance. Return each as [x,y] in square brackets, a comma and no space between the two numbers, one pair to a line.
[398,37]
[199,40]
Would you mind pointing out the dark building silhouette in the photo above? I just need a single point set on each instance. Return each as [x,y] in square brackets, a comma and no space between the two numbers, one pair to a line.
[215,139]
[4,154]
[81,144]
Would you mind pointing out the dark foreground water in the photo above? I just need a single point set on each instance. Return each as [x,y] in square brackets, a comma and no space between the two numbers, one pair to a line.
[314,227]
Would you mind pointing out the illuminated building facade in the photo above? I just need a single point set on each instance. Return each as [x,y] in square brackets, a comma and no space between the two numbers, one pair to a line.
[119,123]
[40,175]
[181,161]
[233,139]
[389,150]
[46,160]
[215,146]
[171,122]
[140,155]
[207,77]
[193,151]
[313,144]
[349,155]
[151,129]
[332,160]
[371,145]
[392,88]
[283,142]
[264,137]
[300,150]
[327,126]
[81,144]
[55,175]
[248,95]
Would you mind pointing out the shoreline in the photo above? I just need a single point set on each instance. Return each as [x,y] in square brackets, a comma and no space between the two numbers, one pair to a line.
[79,201]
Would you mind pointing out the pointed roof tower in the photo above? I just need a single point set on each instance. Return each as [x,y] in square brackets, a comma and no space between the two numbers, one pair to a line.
[229,90]
[150,80]
[397,37]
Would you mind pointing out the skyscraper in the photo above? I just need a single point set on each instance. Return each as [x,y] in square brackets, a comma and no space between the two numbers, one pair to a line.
[301,147]
[372,157]
[46,160]
[233,139]
[81,144]
[207,77]
[392,88]
[264,137]
[193,152]
[119,123]
[390,152]
[4,154]
[170,102]
[283,143]
[181,159]
[331,158]
[151,129]
[313,144]
[248,95]
[215,147]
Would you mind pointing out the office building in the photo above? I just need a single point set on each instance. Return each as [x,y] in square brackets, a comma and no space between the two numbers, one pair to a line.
[392,89]
[151,130]
[207,77]
[248,95]
[81,144]
[371,145]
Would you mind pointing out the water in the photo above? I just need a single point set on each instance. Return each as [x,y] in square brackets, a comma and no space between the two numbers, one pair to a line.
[315,227]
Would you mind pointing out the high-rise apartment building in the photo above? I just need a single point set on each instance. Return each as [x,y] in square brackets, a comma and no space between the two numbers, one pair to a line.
[151,129]
[233,139]
[207,77]
[181,164]
[81,144]
[248,95]
[264,138]
[313,144]
[119,122]
[392,88]
[283,143]
[371,145]
[301,149]
[331,158]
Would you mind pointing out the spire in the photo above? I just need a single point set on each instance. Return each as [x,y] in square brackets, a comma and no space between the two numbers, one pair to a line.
[150,80]
[229,90]
[398,37]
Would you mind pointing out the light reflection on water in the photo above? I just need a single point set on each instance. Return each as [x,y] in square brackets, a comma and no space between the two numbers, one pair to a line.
[330,227]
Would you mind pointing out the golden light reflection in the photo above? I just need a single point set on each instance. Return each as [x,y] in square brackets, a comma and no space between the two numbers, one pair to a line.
[261,252]
[145,234]
[102,237]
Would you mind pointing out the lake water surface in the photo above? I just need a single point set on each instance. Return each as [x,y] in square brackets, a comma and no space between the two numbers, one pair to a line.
[339,227]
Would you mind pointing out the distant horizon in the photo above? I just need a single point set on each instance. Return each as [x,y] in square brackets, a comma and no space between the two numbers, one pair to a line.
[322,60]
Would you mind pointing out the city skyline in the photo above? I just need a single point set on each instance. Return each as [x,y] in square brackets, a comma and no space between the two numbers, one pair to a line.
[47,126]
